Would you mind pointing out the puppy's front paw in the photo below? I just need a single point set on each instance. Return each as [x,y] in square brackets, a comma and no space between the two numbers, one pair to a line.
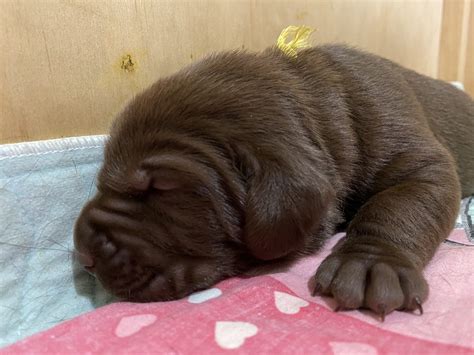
[370,276]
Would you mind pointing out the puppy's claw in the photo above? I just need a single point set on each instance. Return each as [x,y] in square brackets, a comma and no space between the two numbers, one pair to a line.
[318,288]
[418,305]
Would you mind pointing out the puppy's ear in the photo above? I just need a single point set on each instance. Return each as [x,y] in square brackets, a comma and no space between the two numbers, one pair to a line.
[283,209]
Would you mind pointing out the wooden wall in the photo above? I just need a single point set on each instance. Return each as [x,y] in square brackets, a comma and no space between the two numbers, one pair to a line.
[67,66]
[456,55]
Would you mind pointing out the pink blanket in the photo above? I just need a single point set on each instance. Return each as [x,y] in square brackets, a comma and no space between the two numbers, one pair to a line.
[276,314]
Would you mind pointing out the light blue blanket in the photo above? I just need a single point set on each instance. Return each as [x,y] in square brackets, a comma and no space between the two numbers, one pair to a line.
[43,186]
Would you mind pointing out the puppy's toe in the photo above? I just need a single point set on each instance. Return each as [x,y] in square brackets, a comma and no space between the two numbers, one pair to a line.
[415,289]
[384,293]
[324,276]
[348,287]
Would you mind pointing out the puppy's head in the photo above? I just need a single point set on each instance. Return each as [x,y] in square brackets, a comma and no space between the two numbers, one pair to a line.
[204,177]
[161,227]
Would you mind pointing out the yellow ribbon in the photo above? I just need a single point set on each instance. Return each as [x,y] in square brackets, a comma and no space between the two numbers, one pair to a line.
[300,39]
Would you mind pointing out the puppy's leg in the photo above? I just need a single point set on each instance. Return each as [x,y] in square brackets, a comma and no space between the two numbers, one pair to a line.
[393,236]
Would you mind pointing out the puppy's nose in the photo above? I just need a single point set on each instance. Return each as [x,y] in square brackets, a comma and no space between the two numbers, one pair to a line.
[85,260]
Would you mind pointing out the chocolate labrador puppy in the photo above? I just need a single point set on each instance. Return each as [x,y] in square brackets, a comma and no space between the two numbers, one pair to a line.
[247,159]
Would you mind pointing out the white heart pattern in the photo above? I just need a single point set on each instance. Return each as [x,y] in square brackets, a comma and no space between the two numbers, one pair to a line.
[288,304]
[343,348]
[232,335]
[133,324]
[203,296]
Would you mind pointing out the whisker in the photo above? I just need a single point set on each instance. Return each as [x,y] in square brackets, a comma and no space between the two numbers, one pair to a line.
[59,244]
[92,184]
[34,247]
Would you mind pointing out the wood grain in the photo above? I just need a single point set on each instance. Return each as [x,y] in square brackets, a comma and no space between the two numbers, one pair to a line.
[468,72]
[454,40]
[67,67]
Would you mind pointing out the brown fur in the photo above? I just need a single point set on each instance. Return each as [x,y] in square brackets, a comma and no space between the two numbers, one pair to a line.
[245,159]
